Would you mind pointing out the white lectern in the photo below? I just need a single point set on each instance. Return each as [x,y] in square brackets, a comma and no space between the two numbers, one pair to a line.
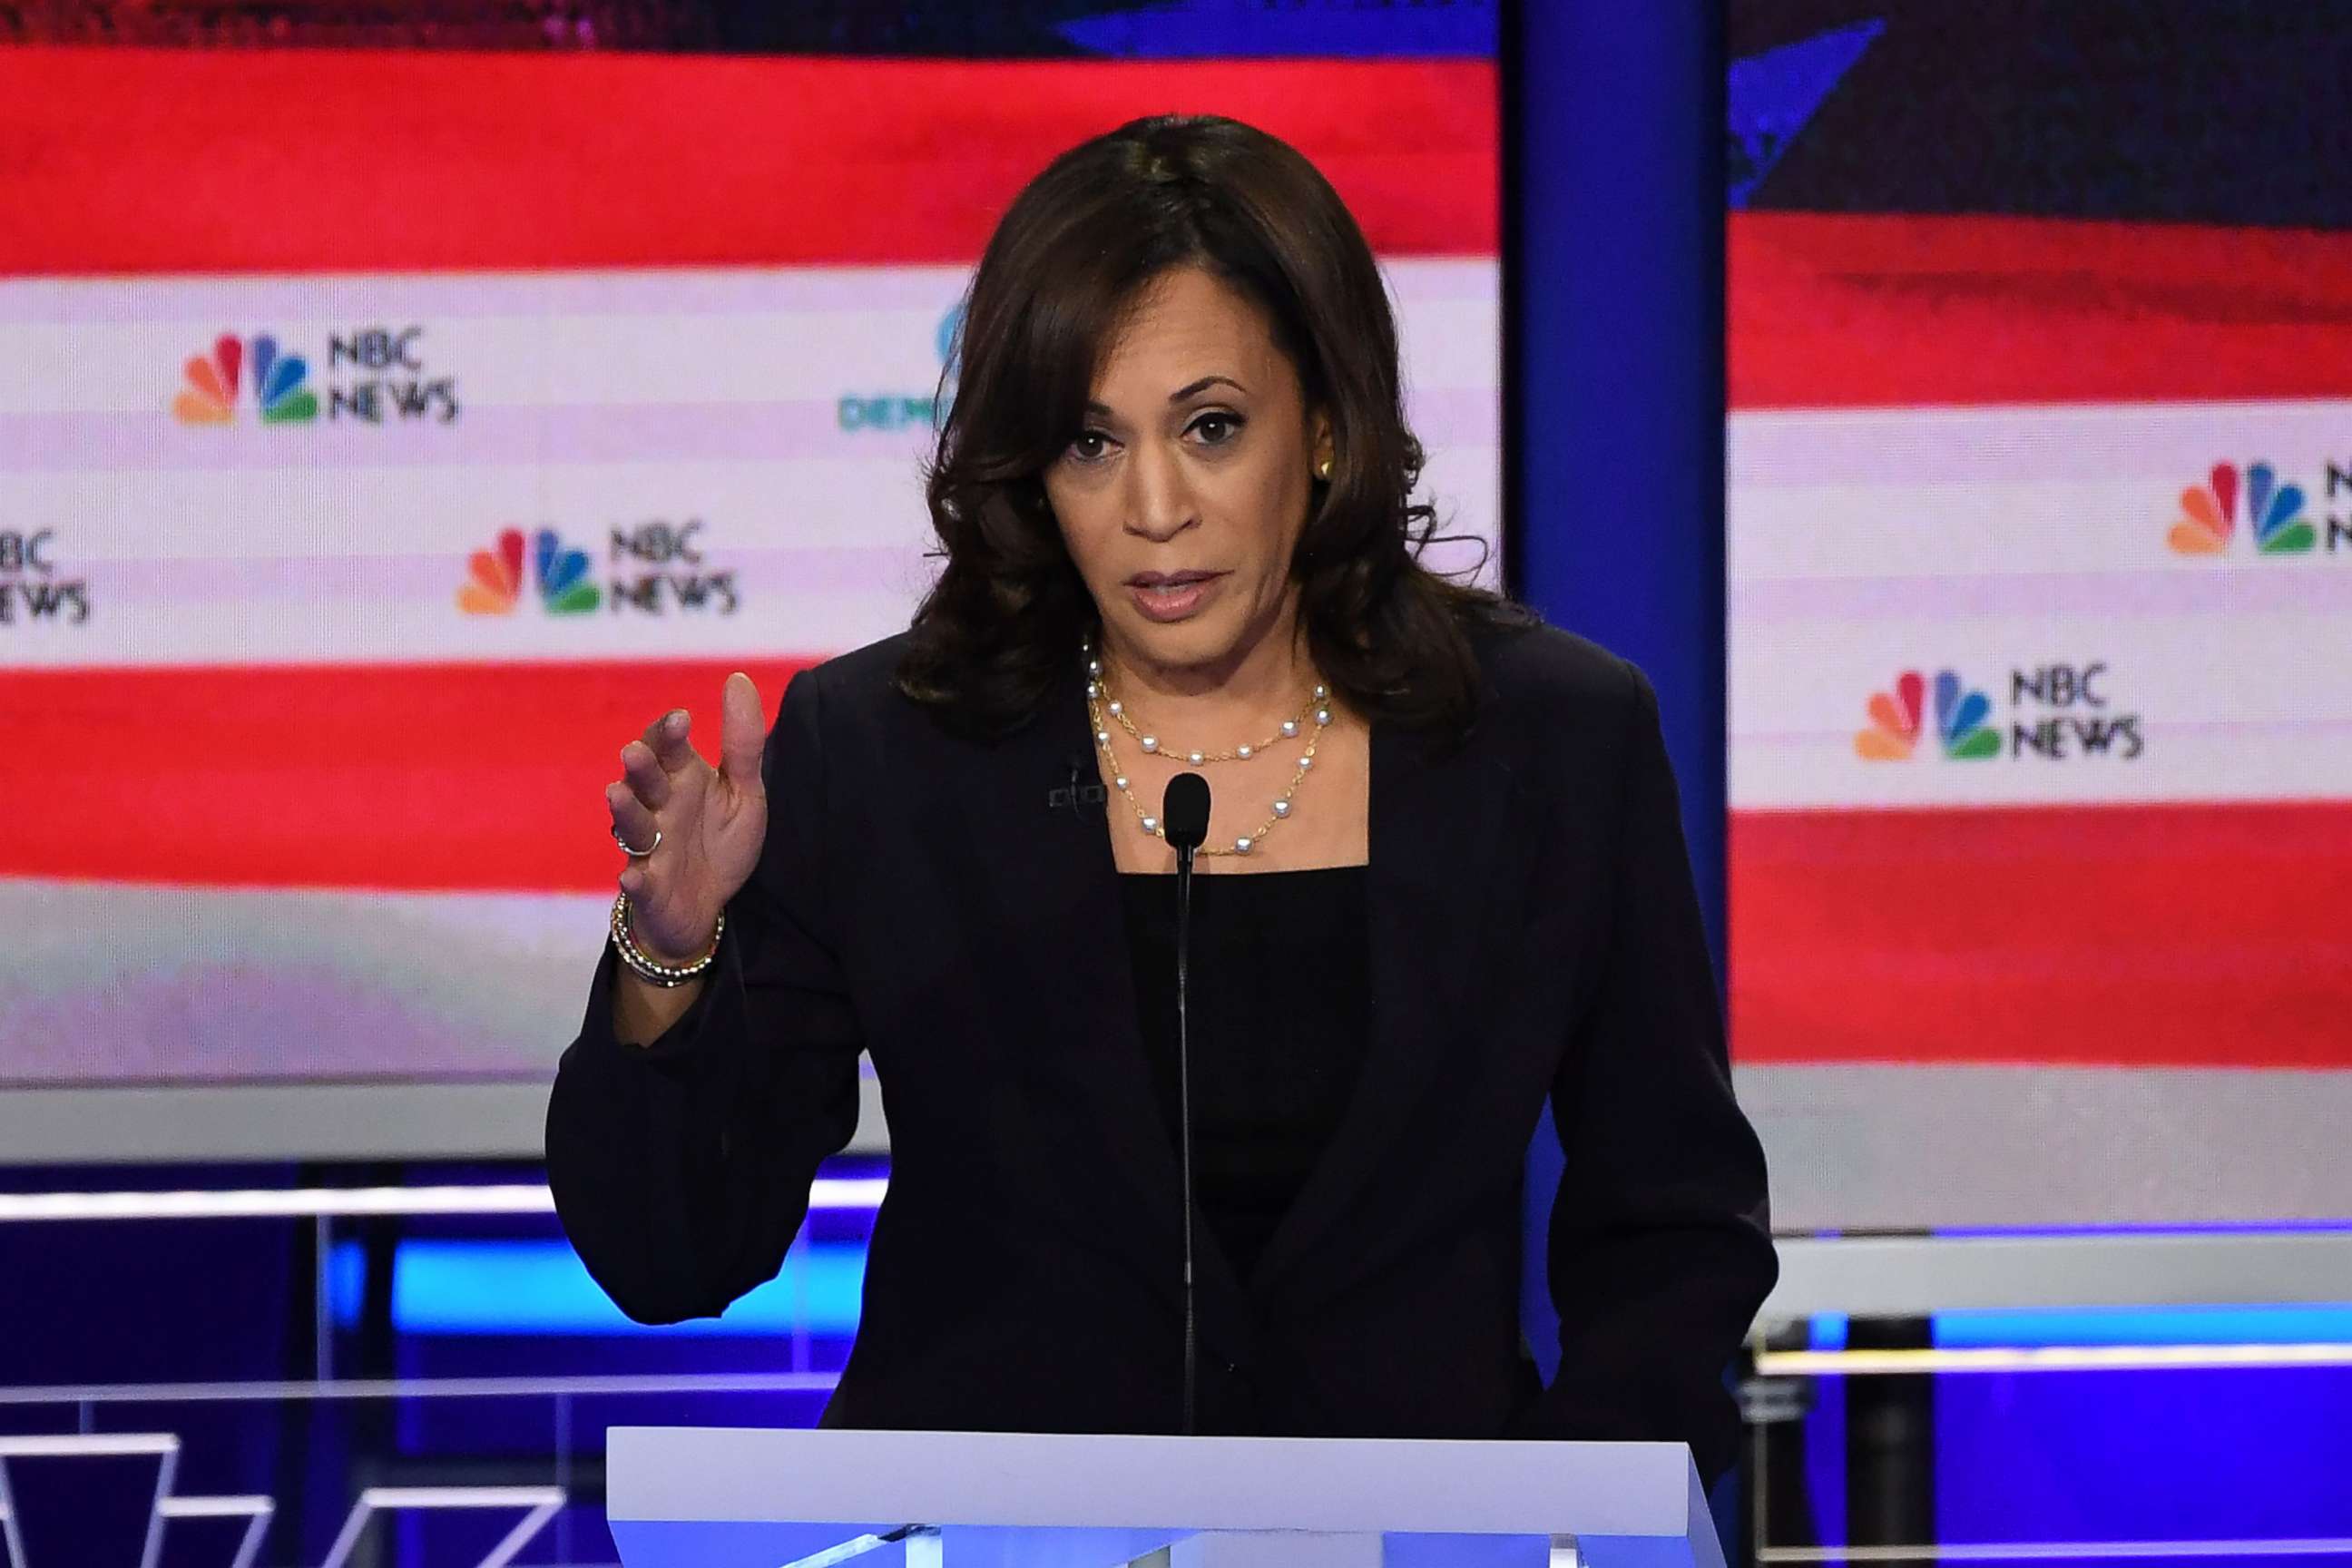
[753,1497]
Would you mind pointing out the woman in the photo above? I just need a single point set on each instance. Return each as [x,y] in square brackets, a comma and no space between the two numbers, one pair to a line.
[1444,880]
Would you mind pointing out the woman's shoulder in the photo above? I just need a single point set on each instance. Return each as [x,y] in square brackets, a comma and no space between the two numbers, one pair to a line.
[1537,671]
[853,698]
[863,678]
[1562,708]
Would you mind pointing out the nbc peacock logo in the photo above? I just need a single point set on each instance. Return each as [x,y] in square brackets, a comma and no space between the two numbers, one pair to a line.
[494,577]
[1898,717]
[2274,513]
[214,381]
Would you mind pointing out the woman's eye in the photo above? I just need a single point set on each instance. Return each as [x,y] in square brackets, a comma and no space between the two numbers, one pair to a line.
[1216,430]
[1089,445]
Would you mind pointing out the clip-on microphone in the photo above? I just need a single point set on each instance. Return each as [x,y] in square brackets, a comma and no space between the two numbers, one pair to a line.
[1184,821]
[1075,795]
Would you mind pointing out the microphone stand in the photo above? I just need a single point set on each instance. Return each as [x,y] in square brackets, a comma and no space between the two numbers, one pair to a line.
[1185,1114]
[1185,820]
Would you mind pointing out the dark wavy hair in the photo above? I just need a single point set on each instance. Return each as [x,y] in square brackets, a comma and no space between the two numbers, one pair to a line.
[1067,260]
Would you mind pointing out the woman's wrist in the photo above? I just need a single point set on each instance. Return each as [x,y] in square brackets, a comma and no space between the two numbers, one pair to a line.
[663,956]
[658,968]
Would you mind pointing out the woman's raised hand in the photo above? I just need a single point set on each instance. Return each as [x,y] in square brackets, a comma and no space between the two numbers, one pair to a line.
[704,825]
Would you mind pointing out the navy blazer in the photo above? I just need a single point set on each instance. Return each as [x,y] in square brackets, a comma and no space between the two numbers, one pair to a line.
[1534,933]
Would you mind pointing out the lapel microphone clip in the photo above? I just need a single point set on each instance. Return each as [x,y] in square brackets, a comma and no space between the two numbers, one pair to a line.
[1072,795]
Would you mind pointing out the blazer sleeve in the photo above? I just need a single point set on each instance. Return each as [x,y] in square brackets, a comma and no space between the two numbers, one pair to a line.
[681,1167]
[1660,1249]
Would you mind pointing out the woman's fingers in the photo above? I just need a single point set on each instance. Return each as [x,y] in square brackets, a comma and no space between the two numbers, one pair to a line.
[665,737]
[643,770]
[650,767]
[633,820]
[741,735]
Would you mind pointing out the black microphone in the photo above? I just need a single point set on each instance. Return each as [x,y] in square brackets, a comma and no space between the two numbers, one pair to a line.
[1184,821]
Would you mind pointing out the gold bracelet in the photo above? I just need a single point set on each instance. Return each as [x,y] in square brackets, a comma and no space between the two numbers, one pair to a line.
[647,969]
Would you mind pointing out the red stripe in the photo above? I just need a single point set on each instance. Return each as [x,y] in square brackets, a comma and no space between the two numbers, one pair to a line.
[2151,936]
[421,777]
[286,161]
[1840,311]
[2145,936]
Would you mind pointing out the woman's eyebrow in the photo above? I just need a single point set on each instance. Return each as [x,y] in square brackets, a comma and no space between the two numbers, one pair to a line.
[1194,388]
[1189,389]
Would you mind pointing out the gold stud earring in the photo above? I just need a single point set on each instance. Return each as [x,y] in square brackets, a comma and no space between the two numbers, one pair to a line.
[1323,468]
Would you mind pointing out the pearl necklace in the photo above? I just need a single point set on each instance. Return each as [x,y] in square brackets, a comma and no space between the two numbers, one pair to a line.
[1101,705]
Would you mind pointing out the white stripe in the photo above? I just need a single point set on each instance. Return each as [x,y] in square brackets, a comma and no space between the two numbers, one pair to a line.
[824,1193]
[584,339]
[1881,1146]
[2227,709]
[460,1497]
[107,1445]
[2051,1358]
[215,1507]
[366,565]
[364,516]
[1855,533]
[1867,542]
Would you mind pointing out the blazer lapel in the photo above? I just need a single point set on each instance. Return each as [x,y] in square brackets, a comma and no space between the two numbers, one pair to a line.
[1063,970]
[1436,833]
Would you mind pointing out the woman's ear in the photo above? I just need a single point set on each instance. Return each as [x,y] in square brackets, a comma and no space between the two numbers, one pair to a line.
[1323,454]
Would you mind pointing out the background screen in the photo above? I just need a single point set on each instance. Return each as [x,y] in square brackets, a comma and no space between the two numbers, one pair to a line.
[2040,608]
[388,435]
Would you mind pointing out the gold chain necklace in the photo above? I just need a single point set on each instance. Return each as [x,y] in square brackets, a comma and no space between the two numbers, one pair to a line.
[1101,708]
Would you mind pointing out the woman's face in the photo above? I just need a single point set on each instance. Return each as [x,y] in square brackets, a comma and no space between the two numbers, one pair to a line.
[1184,496]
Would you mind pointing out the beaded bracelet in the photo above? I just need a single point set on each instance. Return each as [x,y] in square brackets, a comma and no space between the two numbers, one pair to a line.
[647,969]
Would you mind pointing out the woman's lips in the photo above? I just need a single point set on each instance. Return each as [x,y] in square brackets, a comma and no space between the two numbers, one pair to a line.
[1171,595]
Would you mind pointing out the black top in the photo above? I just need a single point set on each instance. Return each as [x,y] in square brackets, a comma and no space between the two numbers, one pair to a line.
[1277,1018]
[936,900]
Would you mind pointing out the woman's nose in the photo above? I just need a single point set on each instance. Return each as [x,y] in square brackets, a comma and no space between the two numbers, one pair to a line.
[1159,503]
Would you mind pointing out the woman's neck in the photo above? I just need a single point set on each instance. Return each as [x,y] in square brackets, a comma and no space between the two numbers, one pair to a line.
[1266,678]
